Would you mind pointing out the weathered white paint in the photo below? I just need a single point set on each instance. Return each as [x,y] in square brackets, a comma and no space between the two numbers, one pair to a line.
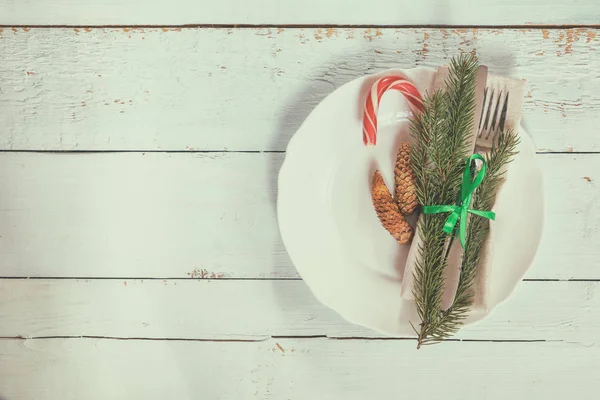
[401,12]
[181,215]
[250,89]
[295,369]
[232,309]
[212,215]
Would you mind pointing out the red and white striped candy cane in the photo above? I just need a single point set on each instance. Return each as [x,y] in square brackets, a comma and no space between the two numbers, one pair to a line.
[384,84]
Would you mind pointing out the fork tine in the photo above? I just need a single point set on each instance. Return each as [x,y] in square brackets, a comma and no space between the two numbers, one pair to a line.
[487,115]
[495,115]
[482,110]
[503,114]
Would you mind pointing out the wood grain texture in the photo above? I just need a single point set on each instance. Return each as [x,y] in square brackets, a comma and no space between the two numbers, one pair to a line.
[255,310]
[295,369]
[250,89]
[213,215]
[403,12]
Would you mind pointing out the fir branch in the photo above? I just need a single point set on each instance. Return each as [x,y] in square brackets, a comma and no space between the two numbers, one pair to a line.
[477,232]
[441,135]
[427,131]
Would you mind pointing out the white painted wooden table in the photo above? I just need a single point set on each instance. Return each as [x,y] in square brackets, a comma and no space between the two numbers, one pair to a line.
[139,251]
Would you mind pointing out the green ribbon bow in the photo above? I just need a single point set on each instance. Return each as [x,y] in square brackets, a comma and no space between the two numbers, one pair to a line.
[460,211]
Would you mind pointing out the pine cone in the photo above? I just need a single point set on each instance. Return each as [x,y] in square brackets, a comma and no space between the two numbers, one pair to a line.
[406,195]
[387,211]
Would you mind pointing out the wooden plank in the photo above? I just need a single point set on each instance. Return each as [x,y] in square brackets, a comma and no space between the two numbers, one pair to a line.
[250,89]
[213,215]
[232,309]
[295,369]
[140,215]
[376,12]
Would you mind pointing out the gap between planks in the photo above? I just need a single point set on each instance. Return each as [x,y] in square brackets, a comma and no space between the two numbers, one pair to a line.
[268,338]
[149,151]
[282,278]
[310,26]
[215,151]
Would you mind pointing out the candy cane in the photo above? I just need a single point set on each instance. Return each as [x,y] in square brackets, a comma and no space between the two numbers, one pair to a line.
[384,84]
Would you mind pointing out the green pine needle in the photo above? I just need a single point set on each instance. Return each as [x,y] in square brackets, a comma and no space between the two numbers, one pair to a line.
[442,141]
[484,197]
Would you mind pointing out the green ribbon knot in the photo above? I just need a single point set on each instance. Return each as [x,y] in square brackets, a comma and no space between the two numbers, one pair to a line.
[459,212]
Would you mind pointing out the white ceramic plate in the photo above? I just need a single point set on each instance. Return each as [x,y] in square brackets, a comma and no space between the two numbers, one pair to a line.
[331,231]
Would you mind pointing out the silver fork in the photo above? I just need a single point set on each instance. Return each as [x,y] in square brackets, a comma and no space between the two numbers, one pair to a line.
[497,114]
[493,117]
